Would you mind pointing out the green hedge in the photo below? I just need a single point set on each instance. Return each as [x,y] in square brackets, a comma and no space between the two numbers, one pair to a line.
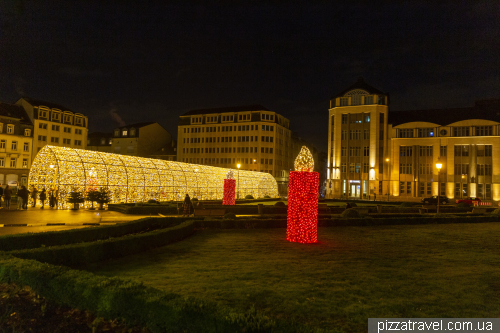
[77,255]
[54,238]
[137,304]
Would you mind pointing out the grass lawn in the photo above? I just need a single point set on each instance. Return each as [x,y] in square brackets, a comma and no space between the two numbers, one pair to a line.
[354,273]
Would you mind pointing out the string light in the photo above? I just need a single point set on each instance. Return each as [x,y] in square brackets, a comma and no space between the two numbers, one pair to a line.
[303,188]
[136,179]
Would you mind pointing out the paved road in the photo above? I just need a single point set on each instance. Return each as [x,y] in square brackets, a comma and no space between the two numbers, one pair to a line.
[37,219]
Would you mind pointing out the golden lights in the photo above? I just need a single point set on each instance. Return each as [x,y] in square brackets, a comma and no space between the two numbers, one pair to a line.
[304,161]
[136,179]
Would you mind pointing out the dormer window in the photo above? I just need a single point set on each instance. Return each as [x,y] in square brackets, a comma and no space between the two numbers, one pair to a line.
[103,141]
[117,132]
[124,132]
[10,129]
[67,118]
[27,132]
[56,116]
[42,113]
[132,132]
[78,120]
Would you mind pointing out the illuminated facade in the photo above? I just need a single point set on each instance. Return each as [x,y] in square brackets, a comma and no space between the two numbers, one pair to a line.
[16,140]
[137,179]
[373,153]
[54,125]
[253,136]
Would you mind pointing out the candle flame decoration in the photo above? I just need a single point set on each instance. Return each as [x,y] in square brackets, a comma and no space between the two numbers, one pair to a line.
[304,161]
[230,175]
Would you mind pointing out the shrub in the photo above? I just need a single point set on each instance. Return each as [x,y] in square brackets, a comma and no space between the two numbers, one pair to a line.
[407,204]
[353,204]
[153,201]
[280,204]
[194,199]
[350,213]
[463,205]
[229,216]
[267,197]
[496,211]
[249,196]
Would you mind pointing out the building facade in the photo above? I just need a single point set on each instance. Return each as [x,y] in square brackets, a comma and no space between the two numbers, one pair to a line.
[55,125]
[141,139]
[254,137]
[16,144]
[100,141]
[372,153]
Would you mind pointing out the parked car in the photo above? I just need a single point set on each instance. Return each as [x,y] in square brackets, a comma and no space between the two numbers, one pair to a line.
[469,201]
[434,200]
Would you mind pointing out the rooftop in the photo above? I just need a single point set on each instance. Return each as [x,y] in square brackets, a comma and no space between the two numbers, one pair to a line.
[360,84]
[14,111]
[137,125]
[242,108]
[38,102]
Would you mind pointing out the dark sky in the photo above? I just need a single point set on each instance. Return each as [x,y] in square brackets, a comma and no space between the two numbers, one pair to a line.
[112,60]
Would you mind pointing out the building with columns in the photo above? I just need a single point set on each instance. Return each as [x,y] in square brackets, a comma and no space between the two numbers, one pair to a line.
[372,152]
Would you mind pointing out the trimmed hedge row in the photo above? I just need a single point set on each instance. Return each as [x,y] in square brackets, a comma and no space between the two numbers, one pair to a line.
[137,304]
[342,222]
[54,238]
[77,255]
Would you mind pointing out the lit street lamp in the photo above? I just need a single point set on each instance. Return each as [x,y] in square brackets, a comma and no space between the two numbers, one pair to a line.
[238,165]
[439,165]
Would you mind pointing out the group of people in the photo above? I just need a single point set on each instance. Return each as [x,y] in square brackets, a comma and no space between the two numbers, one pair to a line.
[188,206]
[23,194]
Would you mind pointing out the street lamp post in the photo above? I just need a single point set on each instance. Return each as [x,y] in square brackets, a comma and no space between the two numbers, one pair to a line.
[388,178]
[238,165]
[439,165]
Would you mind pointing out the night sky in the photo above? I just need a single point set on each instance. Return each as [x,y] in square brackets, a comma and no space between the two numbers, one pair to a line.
[121,62]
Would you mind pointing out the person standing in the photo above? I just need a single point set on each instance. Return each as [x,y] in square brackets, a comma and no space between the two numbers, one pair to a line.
[51,197]
[7,195]
[187,206]
[43,196]
[34,195]
[20,198]
[25,195]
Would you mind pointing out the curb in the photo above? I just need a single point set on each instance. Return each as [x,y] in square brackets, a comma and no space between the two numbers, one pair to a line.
[54,224]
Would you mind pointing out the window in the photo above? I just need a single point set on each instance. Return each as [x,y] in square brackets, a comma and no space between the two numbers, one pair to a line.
[484,130]
[26,146]
[10,129]
[343,167]
[355,135]
[405,151]
[406,133]
[124,132]
[352,167]
[344,119]
[343,151]
[461,150]
[382,117]
[14,145]
[27,132]
[54,140]
[368,100]
[55,127]
[79,120]
[355,151]
[402,187]
[12,162]
[344,135]
[366,151]
[487,150]
[425,150]
[484,169]
[344,101]
[366,134]
[67,129]
[25,162]
[443,150]
[366,168]
[67,118]
[117,132]
[461,169]
[55,116]
[66,141]
[424,169]
[130,149]
[43,113]
[1,128]
[488,191]
[2,162]
[2,144]
[42,138]
[405,169]
[461,131]
[425,132]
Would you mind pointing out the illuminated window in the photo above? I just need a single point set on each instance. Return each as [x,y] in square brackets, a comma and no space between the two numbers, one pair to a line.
[124,132]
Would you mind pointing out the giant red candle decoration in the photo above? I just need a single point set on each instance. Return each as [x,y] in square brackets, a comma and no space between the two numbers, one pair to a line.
[229,189]
[303,187]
